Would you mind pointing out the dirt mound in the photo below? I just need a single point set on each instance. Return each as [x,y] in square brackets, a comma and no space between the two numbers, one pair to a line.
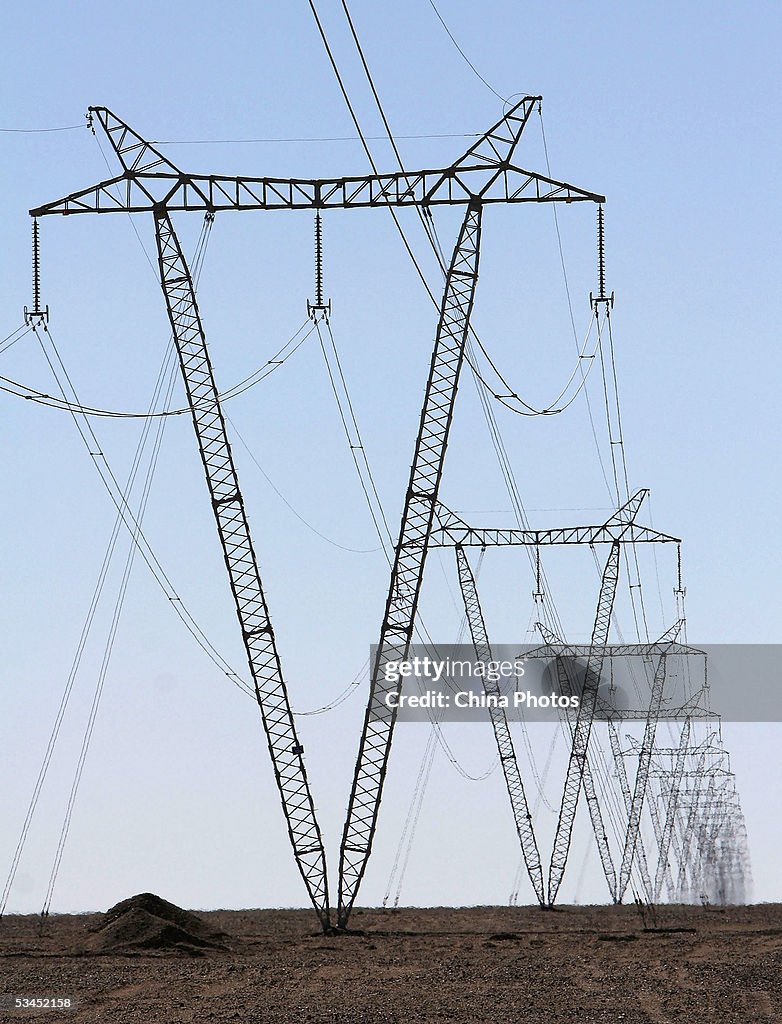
[147,922]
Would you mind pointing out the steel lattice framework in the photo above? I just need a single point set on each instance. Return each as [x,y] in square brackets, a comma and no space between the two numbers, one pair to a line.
[507,753]
[150,182]
[567,684]
[639,853]
[702,828]
[671,809]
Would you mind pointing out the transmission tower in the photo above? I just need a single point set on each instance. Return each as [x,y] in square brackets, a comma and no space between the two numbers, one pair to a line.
[621,527]
[151,183]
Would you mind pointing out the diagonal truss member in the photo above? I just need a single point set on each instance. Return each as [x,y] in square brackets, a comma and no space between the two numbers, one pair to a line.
[499,721]
[284,747]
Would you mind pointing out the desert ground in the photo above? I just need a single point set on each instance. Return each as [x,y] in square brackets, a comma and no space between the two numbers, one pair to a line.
[146,961]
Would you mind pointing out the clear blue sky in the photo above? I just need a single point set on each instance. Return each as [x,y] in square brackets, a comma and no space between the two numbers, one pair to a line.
[670,110]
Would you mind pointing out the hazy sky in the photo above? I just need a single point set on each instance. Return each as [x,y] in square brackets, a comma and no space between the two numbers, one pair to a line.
[671,111]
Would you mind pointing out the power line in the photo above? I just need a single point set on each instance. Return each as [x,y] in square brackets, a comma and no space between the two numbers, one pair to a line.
[378,514]
[570,307]
[464,55]
[356,445]
[109,481]
[39,131]
[281,496]
[341,697]
[428,225]
[431,234]
[320,138]
[272,364]
[109,646]
[77,658]
[11,339]
[167,366]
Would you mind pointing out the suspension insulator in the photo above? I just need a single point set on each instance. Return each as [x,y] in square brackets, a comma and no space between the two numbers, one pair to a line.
[538,593]
[36,314]
[595,300]
[318,309]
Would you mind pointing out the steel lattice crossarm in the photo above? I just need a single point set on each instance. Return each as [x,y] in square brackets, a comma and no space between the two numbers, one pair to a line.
[150,181]
[716,752]
[658,649]
[695,773]
[609,712]
[555,649]
[633,747]
[452,531]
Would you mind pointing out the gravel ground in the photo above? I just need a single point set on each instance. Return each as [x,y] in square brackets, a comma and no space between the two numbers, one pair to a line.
[492,964]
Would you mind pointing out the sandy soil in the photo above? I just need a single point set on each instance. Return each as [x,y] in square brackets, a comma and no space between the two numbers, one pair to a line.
[498,965]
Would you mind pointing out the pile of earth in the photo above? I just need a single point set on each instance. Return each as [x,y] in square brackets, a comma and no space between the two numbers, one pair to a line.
[147,922]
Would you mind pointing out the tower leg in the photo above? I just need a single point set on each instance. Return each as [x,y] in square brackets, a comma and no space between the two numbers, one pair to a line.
[499,721]
[583,727]
[638,852]
[244,575]
[670,817]
[590,792]
[410,556]
[642,776]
